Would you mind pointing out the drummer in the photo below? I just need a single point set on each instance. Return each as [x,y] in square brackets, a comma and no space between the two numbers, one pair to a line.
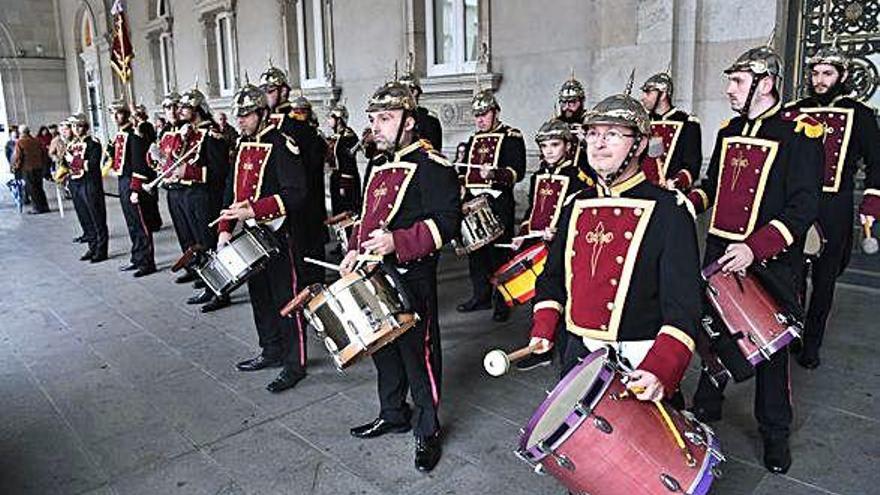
[410,210]
[556,178]
[623,270]
[268,186]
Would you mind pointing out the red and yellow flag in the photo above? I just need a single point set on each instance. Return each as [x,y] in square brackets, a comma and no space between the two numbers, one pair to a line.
[121,53]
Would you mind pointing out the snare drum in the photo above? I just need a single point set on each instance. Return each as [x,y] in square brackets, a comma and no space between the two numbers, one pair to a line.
[516,278]
[359,314]
[594,439]
[814,242]
[340,226]
[479,227]
[229,267]
[753,318]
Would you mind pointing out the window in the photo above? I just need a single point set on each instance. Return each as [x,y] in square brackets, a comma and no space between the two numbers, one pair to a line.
[166,58]
[453,36]
[86,32]
[161,9]
[225,72]
[315,41]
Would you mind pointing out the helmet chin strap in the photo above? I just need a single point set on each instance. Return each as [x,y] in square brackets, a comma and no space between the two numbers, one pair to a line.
[752,89]
[396,145]
[613,176]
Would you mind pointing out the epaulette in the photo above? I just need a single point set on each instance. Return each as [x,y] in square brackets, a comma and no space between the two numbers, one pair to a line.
[514,132]
[438,158]
[291,144]
[792,103]
[573,197]
[433,113]
[811,127]
[586,179]
[301,117]
[724,123]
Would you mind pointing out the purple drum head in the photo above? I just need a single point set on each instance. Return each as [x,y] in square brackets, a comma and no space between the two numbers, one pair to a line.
[558,415]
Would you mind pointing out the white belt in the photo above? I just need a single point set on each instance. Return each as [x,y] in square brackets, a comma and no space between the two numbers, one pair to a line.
[491,192]
[633,351]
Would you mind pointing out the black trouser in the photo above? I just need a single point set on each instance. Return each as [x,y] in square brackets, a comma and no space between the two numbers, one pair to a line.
[149,204]
[91,210]
[483,262]
[190,209]
[413,361]
[772,388]
[138,232]
[270,289]
[344,193]
[836,221]
[34,182]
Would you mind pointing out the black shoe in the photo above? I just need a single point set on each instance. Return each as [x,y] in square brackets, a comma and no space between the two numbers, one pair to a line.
[128,267]
[473,305]
[144,271]
[287,379]
[201,298]
[809,358]
[216,303]
[705,414]
[79,240]
[87,255]
[777,456]
[37,212]
[258,363]
[501,314]
[186,278]
[379,427]
[428,450]
[199,284]
[97,258]
[533,361]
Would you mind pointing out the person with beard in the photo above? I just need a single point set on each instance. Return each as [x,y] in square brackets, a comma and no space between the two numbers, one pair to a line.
[83,158]
[496,160]
[411,209]
[149,203]
[623,270]
[268,185]
[129,157]
[851,135]
[571,111]
[203,166]
[427,124]
[345,179]
[763,184]
[679,164]
[294,119]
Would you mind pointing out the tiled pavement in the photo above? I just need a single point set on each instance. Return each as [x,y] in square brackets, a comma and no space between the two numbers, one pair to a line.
[112,385]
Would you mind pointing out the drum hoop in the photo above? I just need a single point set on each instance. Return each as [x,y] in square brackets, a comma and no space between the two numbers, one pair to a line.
[531,253]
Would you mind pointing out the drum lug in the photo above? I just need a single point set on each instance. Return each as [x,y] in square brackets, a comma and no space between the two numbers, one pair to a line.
[670,483]
[563,461]
[707,326]
[718,379]
[759,345]
[603,425]
[717,472]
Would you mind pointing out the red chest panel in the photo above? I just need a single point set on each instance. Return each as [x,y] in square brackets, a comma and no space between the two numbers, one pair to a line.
[838,123]
[119,151]
[192,171]
[550,190]
[385,190]
[668,132]
[250,168]
[169,149]
[744,168]
[604,237]
[77,163]
[485,150]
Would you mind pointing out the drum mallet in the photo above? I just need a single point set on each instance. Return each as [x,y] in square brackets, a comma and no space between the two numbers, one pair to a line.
[323,264]
[497,362]
[300,300]
[869,243]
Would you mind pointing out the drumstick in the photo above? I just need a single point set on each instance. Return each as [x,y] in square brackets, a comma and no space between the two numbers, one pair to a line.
[329,266]
[675,433]
[217,220]
[497,362]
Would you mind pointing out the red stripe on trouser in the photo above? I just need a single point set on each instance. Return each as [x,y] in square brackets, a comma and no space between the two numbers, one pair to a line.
[144,226]
[434,392]
[298,317]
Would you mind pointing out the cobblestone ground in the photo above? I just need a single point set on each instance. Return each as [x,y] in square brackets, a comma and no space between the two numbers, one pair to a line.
[114,385]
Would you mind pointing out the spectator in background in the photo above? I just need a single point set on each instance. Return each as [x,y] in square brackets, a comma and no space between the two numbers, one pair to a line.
[10,145]
[229,132]
[44,137]
[460,150]
[30,159]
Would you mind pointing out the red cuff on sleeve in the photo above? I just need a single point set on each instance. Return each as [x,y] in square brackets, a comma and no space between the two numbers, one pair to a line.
[416,241]
[768,241]
[225,226]
[268,208]
[683,180]
[871,203]
[136,184]
[668,359]
[544,322]
[699,199]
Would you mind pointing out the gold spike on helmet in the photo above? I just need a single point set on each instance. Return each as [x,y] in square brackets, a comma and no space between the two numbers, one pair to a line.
[339,111]
[760,61]
[831,55]
[661,82]
[554,129]
[411,81]
[171,99]
[621,109]
[248,99]
[393,95]
[571,90]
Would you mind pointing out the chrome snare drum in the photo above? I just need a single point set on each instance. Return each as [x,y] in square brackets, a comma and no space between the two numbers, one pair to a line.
[479,227]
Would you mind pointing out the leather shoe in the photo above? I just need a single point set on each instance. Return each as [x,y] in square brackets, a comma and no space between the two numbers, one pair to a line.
[473,304]
[201,297]
[777,456]
[501,314]
[428,450]
[216,303]
[809,358]
[186,278]
[199,284]
[705,414]
[79,240]
[87,255]
[97,258]
[128,267]
[287,379]
[144,271]
[258,363]
[379,427]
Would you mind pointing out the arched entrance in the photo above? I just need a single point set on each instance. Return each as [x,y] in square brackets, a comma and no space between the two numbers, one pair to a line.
[89,70]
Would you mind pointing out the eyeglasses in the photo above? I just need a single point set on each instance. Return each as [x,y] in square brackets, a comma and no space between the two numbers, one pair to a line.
[611,137]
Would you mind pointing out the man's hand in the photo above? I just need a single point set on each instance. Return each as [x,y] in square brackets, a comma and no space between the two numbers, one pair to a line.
[645,385]
[549,234]
[238,211]
[133,197]
[381,242]
[540,345]
[486,172]
[670,184]
[867,220]
[737,258]
[348,262]
[223,239]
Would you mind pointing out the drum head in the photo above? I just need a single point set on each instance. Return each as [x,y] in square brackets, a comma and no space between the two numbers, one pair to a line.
[561,402]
